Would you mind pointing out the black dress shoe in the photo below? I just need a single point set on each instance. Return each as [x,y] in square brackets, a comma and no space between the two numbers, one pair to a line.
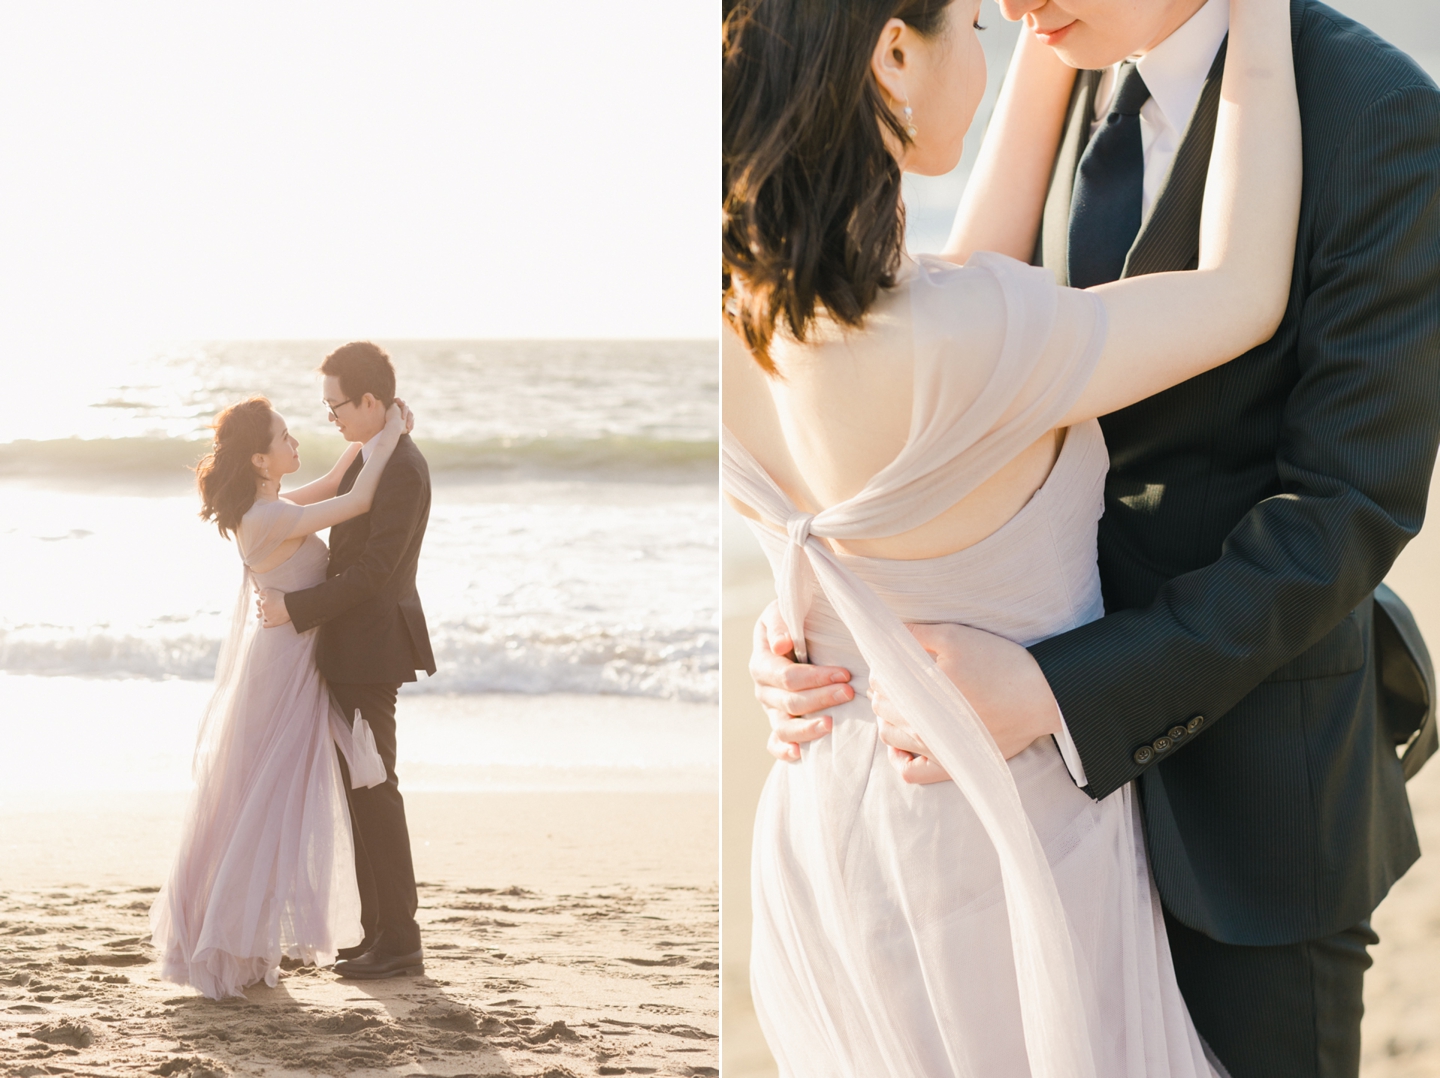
[344,954]
[374,966]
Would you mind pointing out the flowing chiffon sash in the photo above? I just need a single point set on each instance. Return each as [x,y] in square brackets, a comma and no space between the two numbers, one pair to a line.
[356,743]
[955,443]
[1052,1011]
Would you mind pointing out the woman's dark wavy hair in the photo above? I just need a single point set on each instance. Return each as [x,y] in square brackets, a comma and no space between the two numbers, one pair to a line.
[225,475]
[812,216]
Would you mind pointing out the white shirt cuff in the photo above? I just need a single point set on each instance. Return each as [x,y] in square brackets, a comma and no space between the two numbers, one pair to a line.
[1069,753]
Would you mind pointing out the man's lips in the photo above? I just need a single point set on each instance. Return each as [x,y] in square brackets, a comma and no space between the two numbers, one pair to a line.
[1055,36]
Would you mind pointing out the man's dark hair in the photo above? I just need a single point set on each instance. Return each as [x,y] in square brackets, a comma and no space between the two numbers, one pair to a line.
[362,368]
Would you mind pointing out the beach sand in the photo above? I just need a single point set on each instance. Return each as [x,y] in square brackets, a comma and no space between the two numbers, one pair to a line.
[566,934]
[1401,1030]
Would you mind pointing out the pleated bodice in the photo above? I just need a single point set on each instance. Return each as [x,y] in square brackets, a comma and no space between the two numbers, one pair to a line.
[1032,578]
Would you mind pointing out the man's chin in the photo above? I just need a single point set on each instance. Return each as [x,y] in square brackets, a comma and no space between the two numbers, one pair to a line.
[1079,50]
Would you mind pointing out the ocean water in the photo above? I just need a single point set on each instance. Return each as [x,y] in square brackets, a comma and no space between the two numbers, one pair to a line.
[572,552]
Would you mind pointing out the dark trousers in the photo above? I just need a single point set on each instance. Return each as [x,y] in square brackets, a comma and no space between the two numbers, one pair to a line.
[383,868]
[1290,1011]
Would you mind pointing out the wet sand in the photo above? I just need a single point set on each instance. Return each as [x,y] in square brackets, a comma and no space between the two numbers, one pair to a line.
[566,934]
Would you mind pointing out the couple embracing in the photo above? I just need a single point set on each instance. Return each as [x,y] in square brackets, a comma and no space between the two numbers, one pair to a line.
[295,843]
[1090,699]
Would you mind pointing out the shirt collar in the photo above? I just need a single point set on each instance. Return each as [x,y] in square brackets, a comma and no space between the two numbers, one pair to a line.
[368,447]
[1175,70]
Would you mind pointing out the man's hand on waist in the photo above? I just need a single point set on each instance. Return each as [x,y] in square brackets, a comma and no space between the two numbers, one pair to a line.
[792,693]
[271,607]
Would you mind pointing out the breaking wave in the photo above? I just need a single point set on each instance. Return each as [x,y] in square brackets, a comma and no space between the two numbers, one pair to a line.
[678,663]
[613,457]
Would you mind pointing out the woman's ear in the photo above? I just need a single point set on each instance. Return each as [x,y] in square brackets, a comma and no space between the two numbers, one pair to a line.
[258,462]
[890,60]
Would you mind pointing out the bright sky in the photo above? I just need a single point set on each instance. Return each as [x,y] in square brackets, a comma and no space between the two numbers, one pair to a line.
[326,169]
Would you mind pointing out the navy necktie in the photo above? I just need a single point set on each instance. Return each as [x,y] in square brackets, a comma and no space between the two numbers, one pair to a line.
[1105,206]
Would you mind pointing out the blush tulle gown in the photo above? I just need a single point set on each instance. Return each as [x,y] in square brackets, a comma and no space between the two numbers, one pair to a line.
[266,866]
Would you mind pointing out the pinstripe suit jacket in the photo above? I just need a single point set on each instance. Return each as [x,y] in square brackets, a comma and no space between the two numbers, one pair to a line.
[1251,512]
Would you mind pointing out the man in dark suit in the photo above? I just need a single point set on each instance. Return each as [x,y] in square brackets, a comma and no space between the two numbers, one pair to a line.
[1248,674]
[372,639]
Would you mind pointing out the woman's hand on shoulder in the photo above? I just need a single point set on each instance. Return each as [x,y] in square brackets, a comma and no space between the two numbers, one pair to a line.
[394,422]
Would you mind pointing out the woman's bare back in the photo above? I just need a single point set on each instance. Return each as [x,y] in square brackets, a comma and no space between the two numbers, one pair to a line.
[842,410]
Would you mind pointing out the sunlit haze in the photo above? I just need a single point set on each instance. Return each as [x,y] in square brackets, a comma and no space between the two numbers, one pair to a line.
[442,169]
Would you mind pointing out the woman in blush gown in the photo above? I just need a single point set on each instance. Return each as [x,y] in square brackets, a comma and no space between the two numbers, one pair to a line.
[266,866]
[915,441]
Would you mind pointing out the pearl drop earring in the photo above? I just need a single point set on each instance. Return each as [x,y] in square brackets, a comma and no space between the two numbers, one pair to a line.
[909,114]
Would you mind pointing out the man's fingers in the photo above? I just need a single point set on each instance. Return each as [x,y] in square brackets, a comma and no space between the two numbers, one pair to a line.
[782,750]
[776,672]
[766,667]
[770,662]
[916,770]
[770,637]
[923,771]
[898,737]
[797,731]
[797,677]
[898,758]
[807,702]
[772,632]
[935,639]
[880,704]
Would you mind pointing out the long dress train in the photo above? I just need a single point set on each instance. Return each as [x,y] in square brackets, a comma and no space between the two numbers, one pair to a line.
[266,865]
[1003,924]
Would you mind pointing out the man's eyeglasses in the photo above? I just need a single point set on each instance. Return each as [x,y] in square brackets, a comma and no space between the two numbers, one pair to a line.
[330,408]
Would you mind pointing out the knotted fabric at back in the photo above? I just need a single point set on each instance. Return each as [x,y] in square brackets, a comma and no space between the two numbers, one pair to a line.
[963,430]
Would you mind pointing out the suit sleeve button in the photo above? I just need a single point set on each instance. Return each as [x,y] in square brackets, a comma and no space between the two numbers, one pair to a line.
[1161,744]
[1176,733]
[1195,723]
[1144,754]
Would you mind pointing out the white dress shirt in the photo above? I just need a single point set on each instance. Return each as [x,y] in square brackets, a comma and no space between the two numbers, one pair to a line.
[1175,72]
[369,447]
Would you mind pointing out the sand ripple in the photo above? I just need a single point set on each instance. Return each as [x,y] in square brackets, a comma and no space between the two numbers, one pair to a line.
[520,983]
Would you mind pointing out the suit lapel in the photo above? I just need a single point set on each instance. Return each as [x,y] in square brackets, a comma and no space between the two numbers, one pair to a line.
[352,473]
[1170,239]
[1053,248]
